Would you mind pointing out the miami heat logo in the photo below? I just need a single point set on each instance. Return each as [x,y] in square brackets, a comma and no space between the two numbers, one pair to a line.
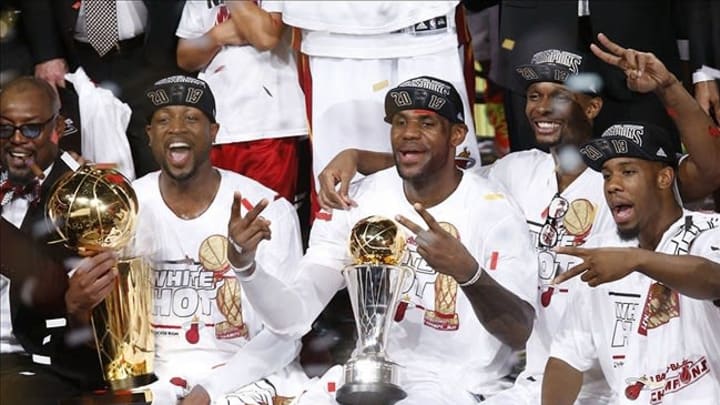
[674,377]
[463,159]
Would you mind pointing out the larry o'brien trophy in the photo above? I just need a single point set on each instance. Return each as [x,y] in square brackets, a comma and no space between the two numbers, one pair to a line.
[374,282]
[92,208]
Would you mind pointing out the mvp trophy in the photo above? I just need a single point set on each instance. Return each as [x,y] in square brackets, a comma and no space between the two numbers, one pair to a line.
[93,208]
[374,283]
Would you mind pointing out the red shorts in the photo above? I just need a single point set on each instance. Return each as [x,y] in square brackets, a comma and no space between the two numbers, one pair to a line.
[272,162]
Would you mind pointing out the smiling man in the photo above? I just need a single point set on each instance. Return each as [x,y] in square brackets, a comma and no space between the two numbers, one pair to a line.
[655,278]
[561,198]
[471,301]
[40,362]
[206,224]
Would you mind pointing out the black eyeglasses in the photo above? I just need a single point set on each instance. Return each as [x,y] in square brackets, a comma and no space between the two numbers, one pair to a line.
[550,232]
[30,131]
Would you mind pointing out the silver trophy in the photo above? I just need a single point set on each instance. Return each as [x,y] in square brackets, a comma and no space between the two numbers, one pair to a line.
[374,284]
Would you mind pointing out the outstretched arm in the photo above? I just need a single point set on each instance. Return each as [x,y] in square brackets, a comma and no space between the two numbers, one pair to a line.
[287,295]
[693,276]
[502,313]
[342,169]
[699,173]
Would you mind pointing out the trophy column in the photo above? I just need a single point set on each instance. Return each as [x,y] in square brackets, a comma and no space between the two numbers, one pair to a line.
[374,284]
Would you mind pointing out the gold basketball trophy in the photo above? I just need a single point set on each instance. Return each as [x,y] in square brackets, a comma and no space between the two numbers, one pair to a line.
[374,282]
[93,208]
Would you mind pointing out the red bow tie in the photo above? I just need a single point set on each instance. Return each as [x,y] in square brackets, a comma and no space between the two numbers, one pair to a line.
[10,191]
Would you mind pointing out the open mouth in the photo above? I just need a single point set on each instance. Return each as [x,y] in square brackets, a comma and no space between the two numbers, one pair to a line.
[622,212]
[410,156]
[178,153]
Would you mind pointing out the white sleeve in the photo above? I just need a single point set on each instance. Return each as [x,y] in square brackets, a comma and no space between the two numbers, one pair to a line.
[509,258]
[272,6]
[573,342]
[290,305]
[281,254]
[191,22]
[707,245]
[263,355]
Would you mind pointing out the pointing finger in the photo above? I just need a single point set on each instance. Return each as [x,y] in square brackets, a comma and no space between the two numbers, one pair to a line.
[237,201]
[412,226]
[256,210]
[572,251]
[574,271]
[611,46]
[604,56]
[427,217]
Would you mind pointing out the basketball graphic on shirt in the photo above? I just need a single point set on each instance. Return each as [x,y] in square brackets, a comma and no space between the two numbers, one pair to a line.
[579,218]
[213,253]
[443,316]
[228,302]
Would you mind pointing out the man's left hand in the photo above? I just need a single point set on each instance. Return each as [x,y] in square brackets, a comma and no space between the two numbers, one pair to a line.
[246,232]
[599,266]
[440,249]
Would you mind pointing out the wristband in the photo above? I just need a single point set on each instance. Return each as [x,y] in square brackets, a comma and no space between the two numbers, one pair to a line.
[243,269]
[474,279]
[238,248]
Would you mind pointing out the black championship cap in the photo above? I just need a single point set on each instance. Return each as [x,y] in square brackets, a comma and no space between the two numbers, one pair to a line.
[630,139]
[564,67]
[425,93]
[181,90]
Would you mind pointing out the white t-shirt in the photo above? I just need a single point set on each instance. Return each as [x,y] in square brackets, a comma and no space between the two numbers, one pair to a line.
[437,337]
[530,178]
[257,93]
[200,314]
[373,29]
[672,351]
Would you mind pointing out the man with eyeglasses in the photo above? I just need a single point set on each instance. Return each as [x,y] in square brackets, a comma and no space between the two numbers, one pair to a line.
[41,362]
[562,200]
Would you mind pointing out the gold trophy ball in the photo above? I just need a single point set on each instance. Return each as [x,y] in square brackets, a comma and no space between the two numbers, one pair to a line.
[377,240]
[94,207]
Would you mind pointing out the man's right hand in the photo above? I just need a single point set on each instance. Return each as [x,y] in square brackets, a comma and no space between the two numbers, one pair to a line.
[340,170]
[708,96]
[52,71]
[91,282]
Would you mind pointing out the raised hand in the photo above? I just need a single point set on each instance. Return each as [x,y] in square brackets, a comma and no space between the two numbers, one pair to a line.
[91,282]
[643,70]
[708,96]
[246,233]
[52,71]
[599,266]
[440,249]
[340,170]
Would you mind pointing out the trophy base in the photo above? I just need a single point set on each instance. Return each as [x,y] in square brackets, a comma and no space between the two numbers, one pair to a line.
[132,382]
[369,394]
